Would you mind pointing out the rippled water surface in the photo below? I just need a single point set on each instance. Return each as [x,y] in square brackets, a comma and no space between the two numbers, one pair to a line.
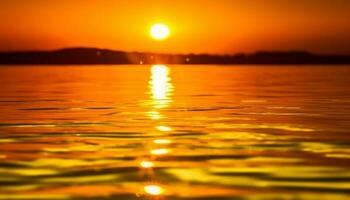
[175,132]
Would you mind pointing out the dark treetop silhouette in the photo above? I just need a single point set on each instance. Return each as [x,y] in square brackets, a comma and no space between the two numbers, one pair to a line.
[103,56]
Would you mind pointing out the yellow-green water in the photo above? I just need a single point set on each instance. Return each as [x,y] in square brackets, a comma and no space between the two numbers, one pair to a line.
[175,132]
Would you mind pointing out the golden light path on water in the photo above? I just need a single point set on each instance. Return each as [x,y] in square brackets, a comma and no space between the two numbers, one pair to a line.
[161,91]
[161,86]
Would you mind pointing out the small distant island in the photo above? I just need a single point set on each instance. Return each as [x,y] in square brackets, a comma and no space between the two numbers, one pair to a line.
[91,56]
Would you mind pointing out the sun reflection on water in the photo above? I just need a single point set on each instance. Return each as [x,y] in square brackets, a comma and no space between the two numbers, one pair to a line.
[160,97]
[153,189]
[146,164]
[164,128]
[160,86]
[162,141]
[154,115]
[160,151]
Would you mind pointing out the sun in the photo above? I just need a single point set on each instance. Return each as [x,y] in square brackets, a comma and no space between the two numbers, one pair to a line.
[160,31]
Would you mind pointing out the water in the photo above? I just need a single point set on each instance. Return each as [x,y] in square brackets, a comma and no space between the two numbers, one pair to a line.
[175,132]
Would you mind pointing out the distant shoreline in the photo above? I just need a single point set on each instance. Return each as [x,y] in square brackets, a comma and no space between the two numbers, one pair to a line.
[93,56]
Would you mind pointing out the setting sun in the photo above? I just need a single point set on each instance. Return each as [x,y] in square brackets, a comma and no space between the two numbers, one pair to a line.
[160,31]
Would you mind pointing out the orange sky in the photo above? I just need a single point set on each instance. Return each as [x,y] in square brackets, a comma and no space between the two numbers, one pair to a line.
[198,26]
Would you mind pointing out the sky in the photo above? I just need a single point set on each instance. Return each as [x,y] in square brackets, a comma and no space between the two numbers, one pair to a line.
[197,26]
